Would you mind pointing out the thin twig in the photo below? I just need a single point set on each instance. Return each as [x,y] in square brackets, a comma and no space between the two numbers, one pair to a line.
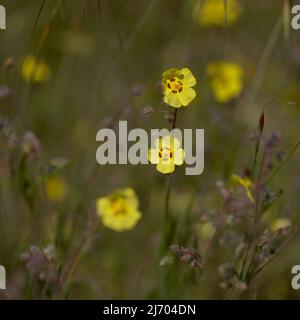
[169,180]
[283,162]
[31,35]
[284,245]
[88,234]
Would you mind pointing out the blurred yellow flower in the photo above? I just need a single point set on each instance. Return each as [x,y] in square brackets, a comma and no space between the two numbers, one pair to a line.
[56,188]
[177,85]
[119,211]
[212,12]
[206,230]
[166,154]
[245,183]
[226,80]
[280,223]
[35,70]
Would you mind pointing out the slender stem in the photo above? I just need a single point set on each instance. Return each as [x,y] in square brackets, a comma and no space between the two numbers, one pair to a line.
[169,183]
[248,262]
[71,266]
[252,264]
[169,189]
[31,37]
[99,7]
[174,119]
[143,18]
[283,162]
[121,44]
[167,199]
[257,146]
[279,251]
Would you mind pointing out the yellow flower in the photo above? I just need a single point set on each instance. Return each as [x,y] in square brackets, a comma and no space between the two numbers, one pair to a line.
[226,80]
[212,12]
[56,188]
[166,154]
[35,70]
[177,85]
[206,230]
[119,211]
[280,223]
[245,183]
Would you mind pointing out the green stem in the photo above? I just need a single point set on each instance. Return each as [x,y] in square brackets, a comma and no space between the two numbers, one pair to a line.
[167,199]
[73,262]
[283,162]
[167,226]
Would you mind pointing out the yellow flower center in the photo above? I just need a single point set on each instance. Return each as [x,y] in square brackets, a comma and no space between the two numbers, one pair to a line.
[175,85]
[223,78]
[165,154]
[119,206]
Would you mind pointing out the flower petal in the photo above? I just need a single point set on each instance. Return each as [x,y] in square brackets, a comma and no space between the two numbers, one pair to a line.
[112,217]
[226,79]
[179,155]
[165,168]
[103,206]
[170,73]
[187,77]
[132,199]
[186,96]
[172,99]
